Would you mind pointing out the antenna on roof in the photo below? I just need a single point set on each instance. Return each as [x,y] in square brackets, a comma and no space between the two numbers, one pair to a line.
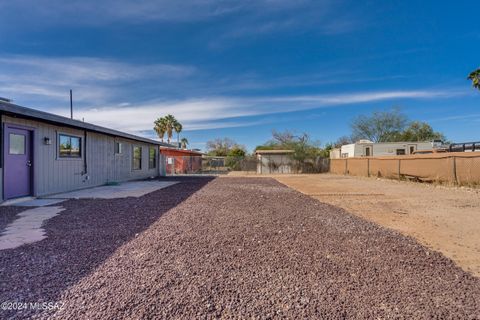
[71,105]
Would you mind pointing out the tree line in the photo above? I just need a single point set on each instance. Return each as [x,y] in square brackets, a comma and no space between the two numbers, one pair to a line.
[390,126]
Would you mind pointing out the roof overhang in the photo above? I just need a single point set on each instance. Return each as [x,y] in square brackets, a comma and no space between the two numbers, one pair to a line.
[14,110]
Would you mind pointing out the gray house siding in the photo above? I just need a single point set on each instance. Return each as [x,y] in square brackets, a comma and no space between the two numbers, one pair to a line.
[53,174]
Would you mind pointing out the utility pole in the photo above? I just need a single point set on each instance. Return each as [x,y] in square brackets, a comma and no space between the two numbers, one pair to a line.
[71,105]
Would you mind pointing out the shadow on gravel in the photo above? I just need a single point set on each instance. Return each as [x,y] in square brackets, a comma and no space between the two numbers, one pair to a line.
[79,240]
[8,214]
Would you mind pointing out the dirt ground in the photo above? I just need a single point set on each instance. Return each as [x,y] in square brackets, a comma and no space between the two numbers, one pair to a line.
[446,219]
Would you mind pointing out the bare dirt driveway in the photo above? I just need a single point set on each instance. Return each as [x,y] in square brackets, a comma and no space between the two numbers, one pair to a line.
[443,218]
[230,248]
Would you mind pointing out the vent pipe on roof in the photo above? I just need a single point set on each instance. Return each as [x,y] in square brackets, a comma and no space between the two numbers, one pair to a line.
[71,105]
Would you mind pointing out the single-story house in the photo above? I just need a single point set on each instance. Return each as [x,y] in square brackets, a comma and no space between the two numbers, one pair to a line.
[181,160]
[367,148]
[43,154]
[274,161]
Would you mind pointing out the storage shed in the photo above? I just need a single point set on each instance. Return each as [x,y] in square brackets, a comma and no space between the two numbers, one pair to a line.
[43,154]
[181,160]
[274,161]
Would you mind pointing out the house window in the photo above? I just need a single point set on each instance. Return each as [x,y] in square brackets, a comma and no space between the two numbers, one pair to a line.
[152,158]
[137,158]
[118,147]
[400,152]
[17,144]
[69,146]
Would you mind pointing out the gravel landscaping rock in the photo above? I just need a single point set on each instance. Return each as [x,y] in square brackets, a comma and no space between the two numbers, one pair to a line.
[231,248]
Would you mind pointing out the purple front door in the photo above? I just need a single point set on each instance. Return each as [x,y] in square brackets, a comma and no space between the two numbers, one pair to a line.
[18,163]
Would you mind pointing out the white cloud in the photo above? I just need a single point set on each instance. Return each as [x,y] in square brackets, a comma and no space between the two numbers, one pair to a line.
[239,18]
[131,11]
[124,96]
[364,97]
[225,112]
[469,117]
[94,80]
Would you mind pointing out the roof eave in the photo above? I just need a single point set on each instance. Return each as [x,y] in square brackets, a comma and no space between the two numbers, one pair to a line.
[16,110]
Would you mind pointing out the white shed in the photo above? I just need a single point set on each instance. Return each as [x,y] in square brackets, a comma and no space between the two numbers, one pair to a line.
[274,161]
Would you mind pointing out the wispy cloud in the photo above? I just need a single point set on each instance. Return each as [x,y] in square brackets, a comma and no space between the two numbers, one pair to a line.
[125,96]
[157,10]
[469,117]
[240,18]
[225,112]
[94,80]
[45,81]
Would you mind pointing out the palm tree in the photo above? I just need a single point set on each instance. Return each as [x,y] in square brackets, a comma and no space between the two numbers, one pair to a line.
[160,127]
[166,125]
[178,128]
[475,77]
[170,123]
[184,143]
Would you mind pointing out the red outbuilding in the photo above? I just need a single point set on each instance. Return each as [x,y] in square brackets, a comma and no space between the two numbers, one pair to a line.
[181,160]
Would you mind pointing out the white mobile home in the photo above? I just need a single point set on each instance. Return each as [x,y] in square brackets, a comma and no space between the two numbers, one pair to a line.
[367,148]
[42,154]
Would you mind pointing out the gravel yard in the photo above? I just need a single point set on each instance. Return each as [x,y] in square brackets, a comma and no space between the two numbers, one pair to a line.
[230,247]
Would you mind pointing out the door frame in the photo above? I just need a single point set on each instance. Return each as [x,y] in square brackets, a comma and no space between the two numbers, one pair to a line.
[369,147]
[414,148]
[32,155]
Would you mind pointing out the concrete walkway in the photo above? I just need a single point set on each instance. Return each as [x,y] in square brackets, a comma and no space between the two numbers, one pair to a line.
[126,189]
[31,202]
[27,228]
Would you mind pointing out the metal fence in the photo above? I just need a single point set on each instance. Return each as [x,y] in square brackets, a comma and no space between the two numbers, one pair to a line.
[250,164]
[458,168]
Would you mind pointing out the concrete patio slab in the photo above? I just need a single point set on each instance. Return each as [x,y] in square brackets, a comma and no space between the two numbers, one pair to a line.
[126,189]
[32,202]
[27,228]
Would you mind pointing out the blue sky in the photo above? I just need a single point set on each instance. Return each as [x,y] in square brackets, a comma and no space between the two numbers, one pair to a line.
[241,68]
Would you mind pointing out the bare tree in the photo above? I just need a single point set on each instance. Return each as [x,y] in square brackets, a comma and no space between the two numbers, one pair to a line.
[380,126]
[342,141]
[221,147]
[287,137]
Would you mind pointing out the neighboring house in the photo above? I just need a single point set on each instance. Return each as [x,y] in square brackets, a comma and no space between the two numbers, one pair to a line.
[181,160]
[42,154]
[274,161]
[335,153]
[367,148]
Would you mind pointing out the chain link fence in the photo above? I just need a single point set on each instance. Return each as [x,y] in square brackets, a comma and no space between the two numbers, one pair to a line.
[459,168]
